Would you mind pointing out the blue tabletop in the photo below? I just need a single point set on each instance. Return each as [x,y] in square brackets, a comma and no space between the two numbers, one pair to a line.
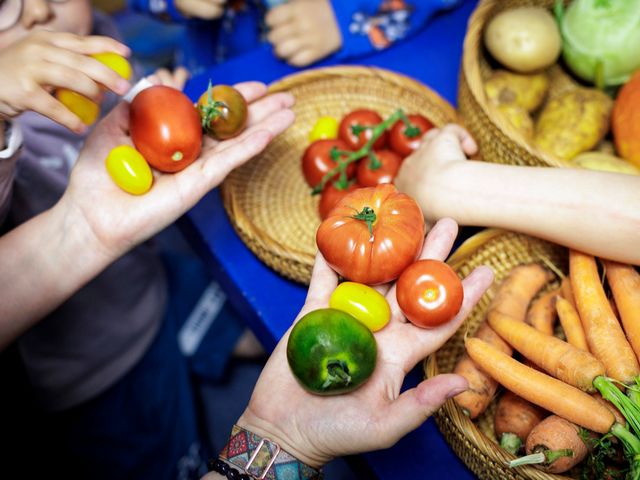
[267,301]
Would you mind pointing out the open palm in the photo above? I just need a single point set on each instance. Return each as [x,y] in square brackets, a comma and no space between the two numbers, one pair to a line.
[319,428]
[120,220]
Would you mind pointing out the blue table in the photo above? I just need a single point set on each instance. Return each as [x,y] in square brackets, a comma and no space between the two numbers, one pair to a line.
[269,302]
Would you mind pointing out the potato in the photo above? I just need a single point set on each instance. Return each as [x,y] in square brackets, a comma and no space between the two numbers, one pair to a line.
[524,39]
[518,117]
[573,122]
[525,91]
[604,162]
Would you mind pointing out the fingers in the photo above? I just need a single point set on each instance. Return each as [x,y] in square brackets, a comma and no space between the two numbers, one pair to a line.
[281,32]
[279,15]
[440,240]
[251,91]
[61,76]
[304,57]
[323,282]
[180,77]
[414,406]
[276,123]
[289,48]
[87,45]
[42,102]
[265,107]
[204,9]
[175,79]
[465,139]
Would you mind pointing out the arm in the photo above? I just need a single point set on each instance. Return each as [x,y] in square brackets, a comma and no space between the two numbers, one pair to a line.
[45,260]
[595,212]
[316,429]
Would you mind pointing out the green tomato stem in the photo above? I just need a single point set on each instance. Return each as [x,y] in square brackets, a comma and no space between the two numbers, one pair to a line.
[366,215]
[338,375]
[351,157]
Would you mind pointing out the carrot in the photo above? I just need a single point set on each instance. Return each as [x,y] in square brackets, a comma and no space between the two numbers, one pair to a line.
[541,389]
[571,324]
[566,291]
[624,281]
[603,331]
[515,416]
[560,359]
[542,314]
[512,298]
[554,445]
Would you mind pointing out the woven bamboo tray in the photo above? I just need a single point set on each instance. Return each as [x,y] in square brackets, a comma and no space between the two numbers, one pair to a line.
[475,443]
[498,140]
[268,201]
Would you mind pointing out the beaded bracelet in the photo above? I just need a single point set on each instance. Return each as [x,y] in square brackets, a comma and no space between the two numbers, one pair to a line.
[223,468]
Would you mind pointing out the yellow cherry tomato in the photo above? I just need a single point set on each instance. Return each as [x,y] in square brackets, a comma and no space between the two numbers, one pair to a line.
[363,302]
[325,128]
[84,108]
[129,170]
[115,62]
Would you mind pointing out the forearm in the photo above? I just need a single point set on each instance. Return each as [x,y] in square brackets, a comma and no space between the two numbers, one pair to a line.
[590,211]
[44,261]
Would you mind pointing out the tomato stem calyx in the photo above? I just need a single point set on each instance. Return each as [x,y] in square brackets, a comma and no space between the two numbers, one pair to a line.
[212,110]
[338,375]
[366,215]
[374,161]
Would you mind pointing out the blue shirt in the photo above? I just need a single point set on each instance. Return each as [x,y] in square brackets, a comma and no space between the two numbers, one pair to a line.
[365,25]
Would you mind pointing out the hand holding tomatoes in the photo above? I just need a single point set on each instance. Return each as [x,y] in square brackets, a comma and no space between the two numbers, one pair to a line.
[318,428]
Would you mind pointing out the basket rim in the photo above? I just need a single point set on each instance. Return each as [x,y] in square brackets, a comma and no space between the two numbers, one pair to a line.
[248,230]
[472,77]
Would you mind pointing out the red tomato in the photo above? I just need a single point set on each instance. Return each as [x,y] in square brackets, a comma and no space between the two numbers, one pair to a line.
[317,161]
[331,195]
[376,251]
[403,144]
[389,164]
[165,128]
[362,118]
[429,293]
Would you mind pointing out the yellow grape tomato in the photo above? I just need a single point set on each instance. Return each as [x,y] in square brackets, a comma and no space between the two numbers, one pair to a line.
[129,170]
[325,128]
[363,302]
[84,108]
[115,62]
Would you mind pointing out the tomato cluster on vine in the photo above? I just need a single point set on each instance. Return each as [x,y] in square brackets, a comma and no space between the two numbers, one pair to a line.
[362,150]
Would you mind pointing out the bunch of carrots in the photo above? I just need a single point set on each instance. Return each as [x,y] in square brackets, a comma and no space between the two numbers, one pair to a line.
[566,399]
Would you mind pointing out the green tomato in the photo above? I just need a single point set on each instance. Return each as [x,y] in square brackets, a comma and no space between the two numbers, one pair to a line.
[330,352]
[129,170]
[363,302]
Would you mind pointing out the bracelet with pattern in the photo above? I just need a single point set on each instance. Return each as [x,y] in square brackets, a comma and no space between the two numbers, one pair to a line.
[264,459]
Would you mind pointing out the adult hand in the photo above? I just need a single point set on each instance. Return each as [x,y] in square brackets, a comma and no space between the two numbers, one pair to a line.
[204,9]
[315,428]
[117,220]
[421,174]
[43,61]
[303,31]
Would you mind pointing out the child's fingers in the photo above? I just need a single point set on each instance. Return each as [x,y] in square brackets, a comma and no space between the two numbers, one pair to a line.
[61,76]
[163,77]
[279,15]
[87,45]
[303,58]
[467,142]
[180,77]
[45,104]
[282,32]
[90,67]
[204,9]
[288,48]
[263,108]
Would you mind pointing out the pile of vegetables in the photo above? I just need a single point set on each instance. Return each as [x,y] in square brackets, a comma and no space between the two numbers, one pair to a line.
[573,400]
[594,123]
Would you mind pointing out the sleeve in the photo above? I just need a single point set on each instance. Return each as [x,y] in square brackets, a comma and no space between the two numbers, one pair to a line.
[164,9]
[370,25]
[8,158]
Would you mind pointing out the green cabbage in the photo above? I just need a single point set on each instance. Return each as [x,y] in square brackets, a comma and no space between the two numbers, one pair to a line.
[601,39]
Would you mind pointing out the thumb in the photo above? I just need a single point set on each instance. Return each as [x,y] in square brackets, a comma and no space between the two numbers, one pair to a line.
[414,406]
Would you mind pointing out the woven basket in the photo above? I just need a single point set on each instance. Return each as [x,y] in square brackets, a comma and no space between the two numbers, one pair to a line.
[268,201]
[475,442]
[499,141]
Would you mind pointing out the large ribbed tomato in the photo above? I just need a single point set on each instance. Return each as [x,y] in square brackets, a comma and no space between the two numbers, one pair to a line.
[372,234]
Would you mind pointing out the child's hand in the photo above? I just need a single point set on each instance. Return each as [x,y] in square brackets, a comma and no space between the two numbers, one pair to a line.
[42,61]
[421,174]
[303,31]
[175,79]
[205,9]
